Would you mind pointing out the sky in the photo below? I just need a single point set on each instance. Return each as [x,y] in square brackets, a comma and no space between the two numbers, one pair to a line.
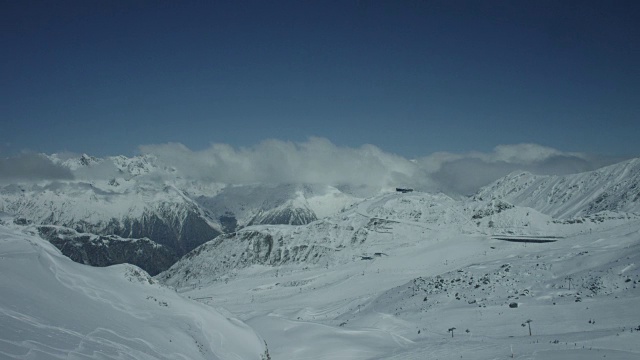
[412,78]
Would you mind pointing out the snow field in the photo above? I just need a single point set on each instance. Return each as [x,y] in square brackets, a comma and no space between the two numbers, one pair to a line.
[375,309]
[53,308]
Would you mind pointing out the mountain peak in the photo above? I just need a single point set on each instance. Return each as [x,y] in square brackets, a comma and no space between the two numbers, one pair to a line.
[611,188]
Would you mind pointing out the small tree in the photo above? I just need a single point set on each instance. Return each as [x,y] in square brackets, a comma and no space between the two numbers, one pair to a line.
[528,322]
[451,331]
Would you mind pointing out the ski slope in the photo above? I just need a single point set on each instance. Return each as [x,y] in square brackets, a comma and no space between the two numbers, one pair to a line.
[430,276]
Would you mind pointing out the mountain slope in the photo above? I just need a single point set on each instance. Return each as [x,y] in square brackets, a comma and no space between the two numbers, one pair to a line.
[612,188]
[368,229]
[293,204]
[105,250]
[286,214]
[53,308]
[129,210]
[399,302]
[140,197]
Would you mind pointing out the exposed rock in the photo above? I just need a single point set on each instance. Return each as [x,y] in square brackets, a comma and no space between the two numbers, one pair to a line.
[101,250]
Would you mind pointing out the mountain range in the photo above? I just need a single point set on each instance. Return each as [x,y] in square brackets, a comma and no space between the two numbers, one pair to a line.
[136,198]
[140,198]
[323,271]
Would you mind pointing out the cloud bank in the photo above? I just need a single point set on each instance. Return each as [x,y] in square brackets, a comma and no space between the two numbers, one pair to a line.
[318,161]
[467,173]
[31,167]
[363,171]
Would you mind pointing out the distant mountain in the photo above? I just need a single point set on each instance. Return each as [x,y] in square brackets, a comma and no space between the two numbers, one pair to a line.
[287,214]
[162,214]
[139,197]
[293,204]
[613,188]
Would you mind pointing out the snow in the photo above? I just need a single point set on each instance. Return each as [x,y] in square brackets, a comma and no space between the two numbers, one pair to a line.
[613,188]
[381,278]
[53,308]
[348,305]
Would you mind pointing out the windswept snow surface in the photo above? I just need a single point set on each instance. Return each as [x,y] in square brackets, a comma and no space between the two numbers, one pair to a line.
[420,265]
[53,308]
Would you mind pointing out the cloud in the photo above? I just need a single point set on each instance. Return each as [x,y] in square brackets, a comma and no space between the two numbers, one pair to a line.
[363,171]
[366,169]
[316,161]
[100,171]
[31,167]
[467,173]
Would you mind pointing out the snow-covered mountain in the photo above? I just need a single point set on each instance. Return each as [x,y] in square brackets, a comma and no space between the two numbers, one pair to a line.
[134,210]
[397,276]
[53,308]
[394,272]
[140,197]
[612,188]
[366,230]
[245,205]
[393,276]
[418,276]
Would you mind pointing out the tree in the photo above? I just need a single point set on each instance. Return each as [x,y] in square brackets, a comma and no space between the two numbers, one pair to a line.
[528,322]
[451,331]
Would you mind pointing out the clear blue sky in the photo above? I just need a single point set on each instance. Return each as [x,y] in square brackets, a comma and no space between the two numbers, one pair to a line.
[411,77]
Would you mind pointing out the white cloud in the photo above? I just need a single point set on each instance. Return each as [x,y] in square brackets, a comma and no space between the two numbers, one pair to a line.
[318,161]
[466,173]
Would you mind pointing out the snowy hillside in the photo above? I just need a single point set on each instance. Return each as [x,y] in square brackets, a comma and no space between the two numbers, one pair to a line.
[366,230]
[317,272]
[612,188]
[406,284]
[53,308]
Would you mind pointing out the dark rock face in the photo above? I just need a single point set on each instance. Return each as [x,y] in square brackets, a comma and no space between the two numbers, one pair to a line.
[21,221]
[180,234]
[101,250]
[179,226]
